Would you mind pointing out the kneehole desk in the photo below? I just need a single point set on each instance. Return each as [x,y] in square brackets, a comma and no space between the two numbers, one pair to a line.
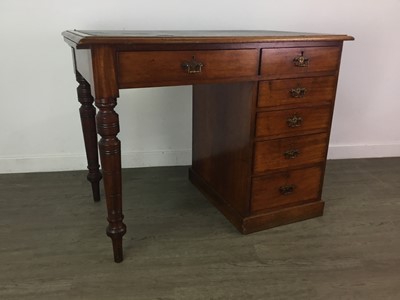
[262,112]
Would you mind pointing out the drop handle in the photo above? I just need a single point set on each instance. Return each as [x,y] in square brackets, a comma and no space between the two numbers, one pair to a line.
[291,154]
[294,121]
[287,189]
[192,66]
[299,92]
[301,60]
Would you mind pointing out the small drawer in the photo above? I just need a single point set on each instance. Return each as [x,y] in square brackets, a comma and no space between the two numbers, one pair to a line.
[291,122]
[150,68]
[286,188]
[297,91]
[289,152]
[295,62]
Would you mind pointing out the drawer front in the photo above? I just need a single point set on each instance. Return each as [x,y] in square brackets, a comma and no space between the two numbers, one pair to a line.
[290,62]
[291,122]
[297,91]
[285,188]
[289,152]
[149,68]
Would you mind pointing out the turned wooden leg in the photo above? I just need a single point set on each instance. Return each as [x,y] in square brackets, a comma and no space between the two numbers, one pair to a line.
[110,155]
[87,112]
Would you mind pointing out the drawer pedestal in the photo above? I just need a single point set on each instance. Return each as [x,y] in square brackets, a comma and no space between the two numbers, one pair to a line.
[259,147]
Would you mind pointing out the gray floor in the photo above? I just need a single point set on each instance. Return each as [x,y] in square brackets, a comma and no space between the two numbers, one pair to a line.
[53,243]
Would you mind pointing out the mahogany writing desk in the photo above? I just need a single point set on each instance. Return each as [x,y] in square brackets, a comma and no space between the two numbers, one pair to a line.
[262,111]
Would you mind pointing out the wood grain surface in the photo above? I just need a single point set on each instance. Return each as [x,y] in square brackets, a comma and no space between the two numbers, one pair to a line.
[179,247]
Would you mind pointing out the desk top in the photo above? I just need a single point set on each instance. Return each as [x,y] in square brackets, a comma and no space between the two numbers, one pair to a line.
[87,38]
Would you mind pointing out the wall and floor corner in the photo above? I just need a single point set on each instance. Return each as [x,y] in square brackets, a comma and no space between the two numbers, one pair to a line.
[40,127]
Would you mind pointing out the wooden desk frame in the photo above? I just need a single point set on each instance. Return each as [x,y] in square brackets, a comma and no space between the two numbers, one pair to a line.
[103,63]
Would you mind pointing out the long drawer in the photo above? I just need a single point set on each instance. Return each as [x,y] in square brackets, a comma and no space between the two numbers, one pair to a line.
[297,91]
[289,152]
[299,62]
[149,68]
[285,188]
[290,122]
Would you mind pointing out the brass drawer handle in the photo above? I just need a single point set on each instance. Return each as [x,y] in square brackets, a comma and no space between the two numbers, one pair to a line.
[287,189]
[192,66]
[294,121]
[301,60]
[292,153]
[299,92]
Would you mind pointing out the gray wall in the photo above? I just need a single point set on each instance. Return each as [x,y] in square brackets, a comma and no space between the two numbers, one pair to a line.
[39,112]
